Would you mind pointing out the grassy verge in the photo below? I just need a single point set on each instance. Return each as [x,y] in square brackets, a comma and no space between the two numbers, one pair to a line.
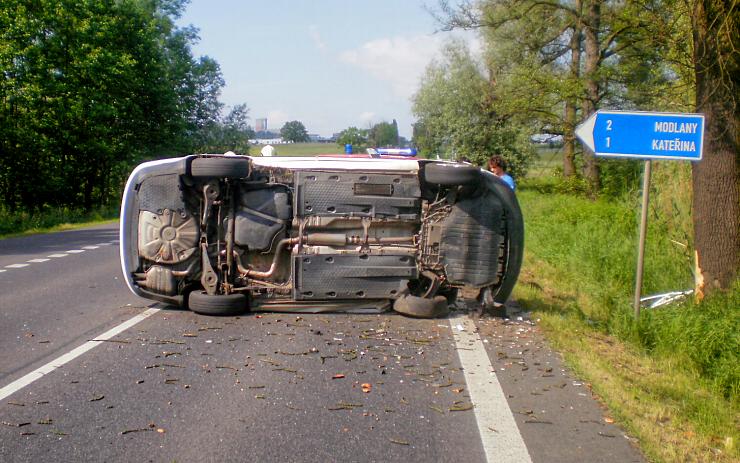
[672,378]
[50,220]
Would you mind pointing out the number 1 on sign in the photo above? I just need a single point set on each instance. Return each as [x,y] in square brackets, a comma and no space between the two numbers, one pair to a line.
[608,142]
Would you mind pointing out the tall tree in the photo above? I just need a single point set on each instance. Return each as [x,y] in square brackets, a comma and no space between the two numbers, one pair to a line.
[384,134]
[716,205]
[457,114]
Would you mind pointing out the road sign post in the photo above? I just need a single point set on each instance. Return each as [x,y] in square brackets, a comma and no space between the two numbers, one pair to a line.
[646,136]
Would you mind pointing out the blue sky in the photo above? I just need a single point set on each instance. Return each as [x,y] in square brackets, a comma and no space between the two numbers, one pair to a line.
[330,64]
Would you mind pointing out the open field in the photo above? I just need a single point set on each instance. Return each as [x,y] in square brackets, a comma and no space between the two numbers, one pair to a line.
[300,149]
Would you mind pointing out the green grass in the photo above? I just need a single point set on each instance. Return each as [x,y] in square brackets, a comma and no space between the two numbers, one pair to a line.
[300,149]
[52,219]
[673,376]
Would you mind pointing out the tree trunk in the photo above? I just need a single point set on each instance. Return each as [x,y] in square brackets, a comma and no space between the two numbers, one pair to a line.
[569,136]
[592,50]
[716,195]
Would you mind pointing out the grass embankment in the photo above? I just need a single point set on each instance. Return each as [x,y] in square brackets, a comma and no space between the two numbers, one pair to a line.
[671,378]
[50,220]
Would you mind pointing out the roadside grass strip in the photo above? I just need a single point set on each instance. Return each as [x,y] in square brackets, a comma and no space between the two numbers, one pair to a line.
[39,373]
[491,407]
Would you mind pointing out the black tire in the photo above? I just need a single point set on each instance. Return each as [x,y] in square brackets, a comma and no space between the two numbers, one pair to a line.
[448,174]
[229,167]
[419,307]
[219,304]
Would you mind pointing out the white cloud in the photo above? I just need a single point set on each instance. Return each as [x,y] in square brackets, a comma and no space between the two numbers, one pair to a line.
[276,118]
[401,61]
[313,32]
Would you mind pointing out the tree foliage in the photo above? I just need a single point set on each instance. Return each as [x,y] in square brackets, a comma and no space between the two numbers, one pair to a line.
[384,134]
[358,138]
[294,131]
[458,115]
[90,88]
[554,62]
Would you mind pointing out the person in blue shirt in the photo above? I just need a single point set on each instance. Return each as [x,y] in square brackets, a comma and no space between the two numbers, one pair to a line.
[497,166]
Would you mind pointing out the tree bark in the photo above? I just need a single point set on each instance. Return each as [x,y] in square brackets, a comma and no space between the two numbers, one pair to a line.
[716,193]
[592,49]
[569,136]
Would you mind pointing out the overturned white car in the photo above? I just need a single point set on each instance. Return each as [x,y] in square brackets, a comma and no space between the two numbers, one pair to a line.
[225,234]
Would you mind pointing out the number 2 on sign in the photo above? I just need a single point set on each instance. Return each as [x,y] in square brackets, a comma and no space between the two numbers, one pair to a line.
[608,124]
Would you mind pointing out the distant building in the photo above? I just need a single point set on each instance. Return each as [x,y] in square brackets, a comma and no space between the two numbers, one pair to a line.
[261,125]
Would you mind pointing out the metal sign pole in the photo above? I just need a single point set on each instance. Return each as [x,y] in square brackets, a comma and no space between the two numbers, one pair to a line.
[643,232]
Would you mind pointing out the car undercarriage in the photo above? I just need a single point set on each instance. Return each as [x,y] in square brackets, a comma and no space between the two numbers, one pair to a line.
[219,234]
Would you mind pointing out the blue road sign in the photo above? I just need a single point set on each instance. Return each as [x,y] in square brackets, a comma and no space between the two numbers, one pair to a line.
[643,135]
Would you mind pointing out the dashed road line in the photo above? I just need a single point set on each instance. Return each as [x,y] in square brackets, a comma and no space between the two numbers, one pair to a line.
[498,431]
[16,265]
[20,383]
[58,255]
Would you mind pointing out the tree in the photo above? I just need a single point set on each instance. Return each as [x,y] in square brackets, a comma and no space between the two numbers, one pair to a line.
[384,134]
[294,131]
[231,132]
[716,205]
[91,88]
[551,59]
[458,114]
[355,137]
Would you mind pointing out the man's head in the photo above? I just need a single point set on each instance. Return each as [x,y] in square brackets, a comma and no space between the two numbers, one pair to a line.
[497,165]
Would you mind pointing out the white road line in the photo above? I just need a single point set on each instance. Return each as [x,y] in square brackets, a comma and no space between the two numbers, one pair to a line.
[102,244]
[492,411]
[1,271]
[20,383]
[16,266]
[57,255]
[90,247]
[37,261]
[75,251]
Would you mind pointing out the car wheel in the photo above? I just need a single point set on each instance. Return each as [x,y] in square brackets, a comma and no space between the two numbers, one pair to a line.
[451,174]
[420,307]
[229,167]
[217,304]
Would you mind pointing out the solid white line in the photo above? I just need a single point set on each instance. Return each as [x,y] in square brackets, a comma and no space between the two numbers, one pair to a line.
[499,434]
[57,255]
[16,266]
[20,383]
[37,261]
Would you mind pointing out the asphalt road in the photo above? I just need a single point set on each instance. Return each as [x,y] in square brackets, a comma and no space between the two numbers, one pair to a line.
[269,387]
